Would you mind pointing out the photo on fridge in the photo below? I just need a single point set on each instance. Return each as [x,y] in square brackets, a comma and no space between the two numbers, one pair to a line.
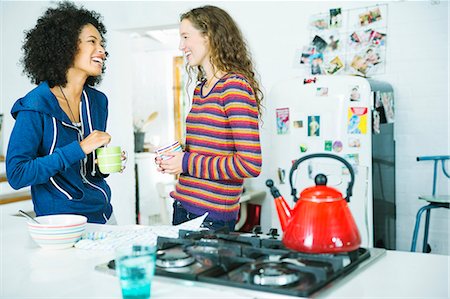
[355,94]
[282,115]
[314,125]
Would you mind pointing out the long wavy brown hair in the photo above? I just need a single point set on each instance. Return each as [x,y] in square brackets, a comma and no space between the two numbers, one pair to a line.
[229,50]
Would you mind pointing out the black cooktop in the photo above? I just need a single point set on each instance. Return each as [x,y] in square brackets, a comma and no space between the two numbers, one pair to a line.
[251,261]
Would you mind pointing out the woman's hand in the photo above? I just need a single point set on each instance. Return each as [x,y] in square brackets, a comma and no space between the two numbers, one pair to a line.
[172,165]
[95,140]
[124,158]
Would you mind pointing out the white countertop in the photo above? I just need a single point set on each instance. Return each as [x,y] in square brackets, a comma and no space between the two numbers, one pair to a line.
[27,271]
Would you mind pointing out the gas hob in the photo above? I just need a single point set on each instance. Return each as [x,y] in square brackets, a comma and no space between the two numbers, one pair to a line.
[252,261]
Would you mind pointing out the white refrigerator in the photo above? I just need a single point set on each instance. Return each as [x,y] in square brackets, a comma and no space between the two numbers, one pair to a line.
[326,114]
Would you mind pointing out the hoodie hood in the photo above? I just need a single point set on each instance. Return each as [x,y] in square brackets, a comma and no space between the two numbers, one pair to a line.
[42,100]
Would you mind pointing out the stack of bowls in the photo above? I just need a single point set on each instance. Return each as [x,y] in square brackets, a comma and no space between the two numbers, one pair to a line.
[57,231]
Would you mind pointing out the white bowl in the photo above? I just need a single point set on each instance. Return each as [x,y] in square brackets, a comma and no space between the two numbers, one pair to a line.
[57,231]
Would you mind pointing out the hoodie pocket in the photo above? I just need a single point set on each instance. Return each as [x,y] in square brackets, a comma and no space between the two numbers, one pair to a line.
[67,189]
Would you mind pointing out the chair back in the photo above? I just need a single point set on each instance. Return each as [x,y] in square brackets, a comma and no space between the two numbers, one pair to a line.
[436,160]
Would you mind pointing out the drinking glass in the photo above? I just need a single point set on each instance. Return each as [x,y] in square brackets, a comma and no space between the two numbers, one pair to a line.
[135,267]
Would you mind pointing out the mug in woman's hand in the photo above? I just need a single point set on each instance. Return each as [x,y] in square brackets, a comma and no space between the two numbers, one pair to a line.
[173,147]
[109,159]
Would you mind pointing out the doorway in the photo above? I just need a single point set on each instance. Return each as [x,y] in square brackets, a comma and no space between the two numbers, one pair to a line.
[158,81]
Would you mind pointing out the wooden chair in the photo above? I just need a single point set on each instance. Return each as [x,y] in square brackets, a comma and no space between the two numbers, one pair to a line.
[434,201]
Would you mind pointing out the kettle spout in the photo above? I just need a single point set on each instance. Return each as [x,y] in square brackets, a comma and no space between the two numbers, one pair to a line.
[283,210]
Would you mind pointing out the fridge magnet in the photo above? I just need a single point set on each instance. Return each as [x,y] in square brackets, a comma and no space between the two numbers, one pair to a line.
[334,66]
[376,122]
[281,175]
[354,142]
[335,18]
[384,105]
[303,148]
[282,120]
[314,125]
[328,145]
[379,107]
[387,98]
[357,120]
[353,159]
[354,94]
[337,146]
[309,80]
[298,124]
[322,91]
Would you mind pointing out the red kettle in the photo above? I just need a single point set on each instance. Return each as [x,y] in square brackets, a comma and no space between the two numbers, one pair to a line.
[321,221]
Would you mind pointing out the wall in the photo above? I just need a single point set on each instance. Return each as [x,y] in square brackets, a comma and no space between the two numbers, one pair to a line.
[417,67]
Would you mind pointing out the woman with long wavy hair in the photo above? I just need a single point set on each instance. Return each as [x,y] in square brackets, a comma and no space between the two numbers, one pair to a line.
[222,145]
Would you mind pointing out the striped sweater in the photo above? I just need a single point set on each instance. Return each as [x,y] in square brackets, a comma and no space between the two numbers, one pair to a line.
[222,148]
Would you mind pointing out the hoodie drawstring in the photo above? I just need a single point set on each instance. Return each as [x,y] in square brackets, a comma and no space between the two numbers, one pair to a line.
[88,112]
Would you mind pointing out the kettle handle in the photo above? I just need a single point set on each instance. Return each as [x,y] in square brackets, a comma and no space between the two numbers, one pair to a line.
[323,155]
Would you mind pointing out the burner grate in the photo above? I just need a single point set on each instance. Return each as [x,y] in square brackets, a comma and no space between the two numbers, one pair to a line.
[252,262]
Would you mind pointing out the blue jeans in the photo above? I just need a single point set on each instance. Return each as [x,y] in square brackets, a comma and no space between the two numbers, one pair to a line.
[180,215]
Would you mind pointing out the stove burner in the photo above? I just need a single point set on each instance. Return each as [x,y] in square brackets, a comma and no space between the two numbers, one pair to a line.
[203,249]
[173,259]
[274,274]
[244,261]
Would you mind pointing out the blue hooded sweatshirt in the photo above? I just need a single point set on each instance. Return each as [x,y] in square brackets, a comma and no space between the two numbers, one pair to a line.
[44,152]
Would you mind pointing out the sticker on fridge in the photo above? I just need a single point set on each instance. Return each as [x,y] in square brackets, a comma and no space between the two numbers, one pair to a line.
[384,104]
[282,120]
[314,125]
[322,91]
[353,159]
[354,93]
[357,120]
[354,142]
[298,124]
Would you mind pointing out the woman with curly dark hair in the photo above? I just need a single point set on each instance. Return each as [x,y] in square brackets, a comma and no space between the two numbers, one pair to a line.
[222,129]
[61,122]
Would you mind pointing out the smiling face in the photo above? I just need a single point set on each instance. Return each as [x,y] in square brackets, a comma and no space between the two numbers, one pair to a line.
[91,55]
[193,44]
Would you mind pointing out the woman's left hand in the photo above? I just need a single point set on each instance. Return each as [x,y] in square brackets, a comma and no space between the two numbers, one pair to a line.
[173,165]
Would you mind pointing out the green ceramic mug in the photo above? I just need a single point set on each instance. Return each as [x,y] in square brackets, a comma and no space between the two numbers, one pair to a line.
[109,159]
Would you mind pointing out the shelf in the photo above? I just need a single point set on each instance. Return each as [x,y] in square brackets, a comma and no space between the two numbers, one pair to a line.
[15,197]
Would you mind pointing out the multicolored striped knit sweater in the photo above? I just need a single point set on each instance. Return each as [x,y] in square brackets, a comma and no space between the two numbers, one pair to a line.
[222,148]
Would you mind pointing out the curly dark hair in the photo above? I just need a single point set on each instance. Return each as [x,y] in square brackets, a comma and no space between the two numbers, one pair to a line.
[229,50]
[50,47]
